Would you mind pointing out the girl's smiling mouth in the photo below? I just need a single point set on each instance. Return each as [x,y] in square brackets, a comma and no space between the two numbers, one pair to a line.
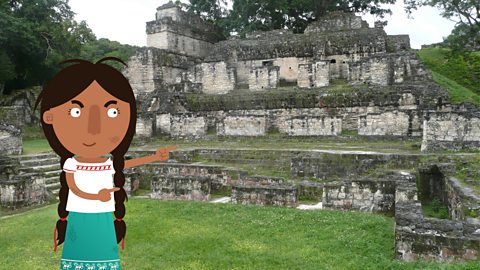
[89,144]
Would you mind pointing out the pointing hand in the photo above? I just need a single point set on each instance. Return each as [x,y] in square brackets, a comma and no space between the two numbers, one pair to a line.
[104,194]
[162,153]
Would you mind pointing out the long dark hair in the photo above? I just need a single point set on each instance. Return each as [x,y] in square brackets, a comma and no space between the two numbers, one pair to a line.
[65,85]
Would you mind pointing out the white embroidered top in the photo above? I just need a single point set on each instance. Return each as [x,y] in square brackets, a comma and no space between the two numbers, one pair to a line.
[90,178]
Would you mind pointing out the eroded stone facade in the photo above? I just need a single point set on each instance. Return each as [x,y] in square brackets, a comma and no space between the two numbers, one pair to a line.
[339,75]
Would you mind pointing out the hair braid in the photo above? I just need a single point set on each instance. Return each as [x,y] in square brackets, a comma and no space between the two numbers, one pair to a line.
[62,205]
[120,195]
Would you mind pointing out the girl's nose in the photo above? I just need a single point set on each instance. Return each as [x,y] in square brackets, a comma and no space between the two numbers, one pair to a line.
[94,120]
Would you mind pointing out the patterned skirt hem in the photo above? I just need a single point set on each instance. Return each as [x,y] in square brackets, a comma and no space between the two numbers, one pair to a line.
[90,265]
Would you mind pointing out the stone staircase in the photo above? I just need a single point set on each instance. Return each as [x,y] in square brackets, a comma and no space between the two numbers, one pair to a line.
[45,166]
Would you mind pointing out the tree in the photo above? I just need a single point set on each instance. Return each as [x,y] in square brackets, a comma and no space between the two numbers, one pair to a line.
[466,13]
[96,49]
[34,37]
[213,11]
[251,15]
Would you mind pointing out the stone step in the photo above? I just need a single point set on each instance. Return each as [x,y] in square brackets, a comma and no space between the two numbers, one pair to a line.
[38,156]
[52,173]
[52,179]
[39,162]
[53,186]
[41,168]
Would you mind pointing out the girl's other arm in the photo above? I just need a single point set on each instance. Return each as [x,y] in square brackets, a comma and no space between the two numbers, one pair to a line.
[160,154]
[103,195]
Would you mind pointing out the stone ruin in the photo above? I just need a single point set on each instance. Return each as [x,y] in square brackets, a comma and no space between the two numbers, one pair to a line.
[339,76]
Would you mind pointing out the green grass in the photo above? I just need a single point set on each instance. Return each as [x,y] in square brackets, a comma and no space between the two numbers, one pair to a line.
[35,146]
[281,141]
[458,74]
[198,235]
[435,209]
[456,92]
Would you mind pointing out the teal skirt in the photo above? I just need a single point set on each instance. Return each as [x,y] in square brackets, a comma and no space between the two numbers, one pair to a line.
[90,242]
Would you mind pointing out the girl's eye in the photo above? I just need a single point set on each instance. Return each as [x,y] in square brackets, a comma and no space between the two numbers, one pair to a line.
[112,112]
[74,112]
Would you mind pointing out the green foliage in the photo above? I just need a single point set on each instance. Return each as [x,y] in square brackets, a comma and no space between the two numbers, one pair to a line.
[213,11]
[456,92]
[466,35]
[198,235]
[463,69]
[94,50]
[35,36]
[252,15]
[435,208]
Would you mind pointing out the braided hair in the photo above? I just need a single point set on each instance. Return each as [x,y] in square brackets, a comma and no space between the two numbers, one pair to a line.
[63,87]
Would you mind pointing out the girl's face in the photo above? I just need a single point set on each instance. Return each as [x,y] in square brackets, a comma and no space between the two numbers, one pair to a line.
[91,124]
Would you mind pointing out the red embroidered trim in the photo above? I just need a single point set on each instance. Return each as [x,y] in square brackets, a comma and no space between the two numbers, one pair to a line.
[94,168]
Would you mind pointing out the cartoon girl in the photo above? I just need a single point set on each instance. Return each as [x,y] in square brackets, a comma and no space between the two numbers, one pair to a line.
[88,111]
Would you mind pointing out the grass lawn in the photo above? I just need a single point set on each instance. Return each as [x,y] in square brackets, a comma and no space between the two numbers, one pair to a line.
[280,141]
[198,235]
[456,74]
[33,146]
[456,92]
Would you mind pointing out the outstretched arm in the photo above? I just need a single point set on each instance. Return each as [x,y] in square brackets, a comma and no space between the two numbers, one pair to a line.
[160,154]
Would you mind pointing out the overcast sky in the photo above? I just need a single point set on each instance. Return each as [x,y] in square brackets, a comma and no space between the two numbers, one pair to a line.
[124,20]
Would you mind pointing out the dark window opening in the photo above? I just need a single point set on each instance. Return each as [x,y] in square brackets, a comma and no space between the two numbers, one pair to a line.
[333,61]
[267,63]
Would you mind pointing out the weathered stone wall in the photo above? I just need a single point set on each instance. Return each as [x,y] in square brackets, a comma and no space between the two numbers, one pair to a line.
[12,119]
[367,195]
[263,78]
[180,32]
[242,125]
[141,73]
[288,68]
[18,189]
[397,43]
[188,125]
[169,180]
[281,195]
[323,165]
[312,126]
[189,187]
[358,43]
[314,75]
[178,43]
[336,21]
[436,181]
[163,124]
[373,70]
[217,78]
[429,238]
[389,123]
[10,140]
[153,69]
[22,191]
[451,130]
[144,127]
[461,200]
[386,69]
[395,115]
